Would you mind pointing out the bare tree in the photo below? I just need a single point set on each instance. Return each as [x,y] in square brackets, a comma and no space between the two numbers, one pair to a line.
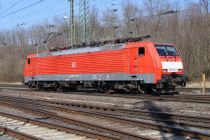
[188,28]
[110,20]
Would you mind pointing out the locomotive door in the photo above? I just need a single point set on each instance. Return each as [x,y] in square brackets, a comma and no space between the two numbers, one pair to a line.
[143,60]
[133,64]
[31,63]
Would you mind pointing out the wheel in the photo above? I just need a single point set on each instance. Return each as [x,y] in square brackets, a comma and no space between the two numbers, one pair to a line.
[58,87]
[39,87]
[73,87]
[104,88]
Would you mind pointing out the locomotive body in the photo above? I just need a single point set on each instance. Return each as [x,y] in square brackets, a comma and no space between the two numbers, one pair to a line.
[133,66]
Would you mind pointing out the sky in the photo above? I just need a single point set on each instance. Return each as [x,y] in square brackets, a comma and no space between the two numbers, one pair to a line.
[38,11]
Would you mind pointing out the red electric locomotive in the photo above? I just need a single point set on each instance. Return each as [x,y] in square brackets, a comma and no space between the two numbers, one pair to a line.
[131,65]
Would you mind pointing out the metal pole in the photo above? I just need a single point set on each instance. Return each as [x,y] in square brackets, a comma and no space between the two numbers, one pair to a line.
[114,23]
[208,29]
[85,19]
[203,83]
[72,34]
[37,48]
[85,22]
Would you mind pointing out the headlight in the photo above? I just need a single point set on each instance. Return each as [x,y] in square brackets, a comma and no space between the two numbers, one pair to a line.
[180,70]
[164,70]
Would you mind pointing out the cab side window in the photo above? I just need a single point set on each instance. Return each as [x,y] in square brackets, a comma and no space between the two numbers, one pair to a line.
[141,51]
[29,61]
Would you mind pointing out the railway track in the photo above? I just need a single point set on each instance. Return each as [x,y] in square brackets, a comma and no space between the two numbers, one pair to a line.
[204,99]
[106,132]
[21,86]
[115,117]
[131,112]
[175,98]
[192,89]
[29,129]
[15,134]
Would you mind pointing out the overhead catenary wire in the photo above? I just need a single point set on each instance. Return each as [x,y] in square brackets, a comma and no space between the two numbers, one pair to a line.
[13,5]
[21,9]
[98,7]
[160,14]
[42,19]
[171,12]
[40,10]
[39,19]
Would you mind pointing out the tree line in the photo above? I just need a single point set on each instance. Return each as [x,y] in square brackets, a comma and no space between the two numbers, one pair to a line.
[187,28]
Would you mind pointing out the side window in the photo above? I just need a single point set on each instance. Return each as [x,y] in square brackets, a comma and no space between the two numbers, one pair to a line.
[29,61]
[141,51]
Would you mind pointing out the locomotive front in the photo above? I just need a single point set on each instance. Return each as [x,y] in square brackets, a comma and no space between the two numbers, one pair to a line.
[172,67]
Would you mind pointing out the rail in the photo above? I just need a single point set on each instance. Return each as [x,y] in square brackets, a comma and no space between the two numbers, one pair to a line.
[138,123]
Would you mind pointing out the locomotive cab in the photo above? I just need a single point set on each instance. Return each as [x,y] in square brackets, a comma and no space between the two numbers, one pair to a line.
[158,66]
[172,67]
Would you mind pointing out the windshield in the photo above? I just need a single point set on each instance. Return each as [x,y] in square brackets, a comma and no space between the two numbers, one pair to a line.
[166,50]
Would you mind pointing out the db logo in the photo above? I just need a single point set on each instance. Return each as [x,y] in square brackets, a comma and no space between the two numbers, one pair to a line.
[74,64]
